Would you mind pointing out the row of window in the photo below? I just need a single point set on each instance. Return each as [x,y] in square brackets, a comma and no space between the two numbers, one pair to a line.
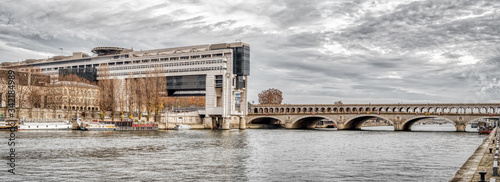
[173,70]
[136,61]
[190,63]
[154,60]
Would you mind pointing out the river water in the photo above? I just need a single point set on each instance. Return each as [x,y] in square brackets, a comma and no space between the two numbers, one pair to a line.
[434,154]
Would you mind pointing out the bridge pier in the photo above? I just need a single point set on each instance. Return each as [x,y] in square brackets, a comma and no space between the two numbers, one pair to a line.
[398,126]
[460,127]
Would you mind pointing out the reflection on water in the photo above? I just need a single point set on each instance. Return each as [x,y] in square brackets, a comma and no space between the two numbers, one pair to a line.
[250,155]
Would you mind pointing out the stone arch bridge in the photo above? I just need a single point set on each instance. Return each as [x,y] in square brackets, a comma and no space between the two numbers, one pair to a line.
[352,116]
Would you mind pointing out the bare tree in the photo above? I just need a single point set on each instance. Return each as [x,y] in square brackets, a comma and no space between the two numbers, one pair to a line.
[131,95]
[106,92]
[54,97]
[4,89]
[270,96]
[140,93]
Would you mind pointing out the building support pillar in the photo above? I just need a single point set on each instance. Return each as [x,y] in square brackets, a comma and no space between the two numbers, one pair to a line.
[207,122]
[225,123]
[243,124]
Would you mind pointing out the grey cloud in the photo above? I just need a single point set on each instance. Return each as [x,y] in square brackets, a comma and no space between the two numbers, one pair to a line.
[411,53]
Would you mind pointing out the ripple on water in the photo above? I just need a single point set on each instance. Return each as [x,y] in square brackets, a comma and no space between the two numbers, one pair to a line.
[250,155]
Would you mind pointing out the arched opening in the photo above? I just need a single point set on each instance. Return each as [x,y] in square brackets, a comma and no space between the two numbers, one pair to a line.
[424,110]
[461,110]
[409,110]
[431,110]
[381,109]
[329,109]
[367,109]
[299,110]
[287,110]
[357,122]
[354,109]
[308,122]
[439,110]
[282,110]
[483,110]
[266,122]
[293,110]
[402,109]
[428,123]
[468,110]
[347,110]
[266,110]
[255,110]
[260,110]
[271,110]
[395,109]
[341,109]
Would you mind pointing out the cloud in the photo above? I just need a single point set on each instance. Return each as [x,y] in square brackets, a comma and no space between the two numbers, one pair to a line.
[379,51]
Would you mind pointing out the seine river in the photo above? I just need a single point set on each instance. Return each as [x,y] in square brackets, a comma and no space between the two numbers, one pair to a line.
[234,155]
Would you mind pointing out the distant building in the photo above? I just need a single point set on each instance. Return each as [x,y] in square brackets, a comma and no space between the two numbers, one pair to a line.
[35,94]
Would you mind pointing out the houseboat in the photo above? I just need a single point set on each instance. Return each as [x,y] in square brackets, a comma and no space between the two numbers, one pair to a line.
[7,124]
[128,124]
[485,127]
[96,126]
[44,124]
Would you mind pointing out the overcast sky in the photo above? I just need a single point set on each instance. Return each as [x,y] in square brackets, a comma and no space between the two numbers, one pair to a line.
[377,51]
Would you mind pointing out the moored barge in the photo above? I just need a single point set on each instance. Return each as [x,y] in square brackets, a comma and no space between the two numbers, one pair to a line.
[128,124]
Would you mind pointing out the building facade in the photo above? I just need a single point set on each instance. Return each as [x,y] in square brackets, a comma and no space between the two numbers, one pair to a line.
[217,71]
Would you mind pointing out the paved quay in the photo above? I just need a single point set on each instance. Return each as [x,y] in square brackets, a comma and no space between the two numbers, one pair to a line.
[481,160]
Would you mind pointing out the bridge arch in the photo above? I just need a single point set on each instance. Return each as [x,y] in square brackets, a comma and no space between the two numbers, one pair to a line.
[409,123]
[355,123]
[267,121]
[308,122]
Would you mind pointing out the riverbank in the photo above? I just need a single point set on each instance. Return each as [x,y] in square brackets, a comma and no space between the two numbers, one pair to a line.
[481,160]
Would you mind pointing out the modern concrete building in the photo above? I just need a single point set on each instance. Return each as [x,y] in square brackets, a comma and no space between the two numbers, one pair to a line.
[217,71]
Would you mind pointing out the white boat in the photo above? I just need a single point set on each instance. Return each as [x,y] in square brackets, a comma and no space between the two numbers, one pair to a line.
[99,127]
[95,126]
[45,124]
[182,127]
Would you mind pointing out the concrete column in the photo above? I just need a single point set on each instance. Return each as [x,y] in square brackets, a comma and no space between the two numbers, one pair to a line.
[225,123]
[460,127]
[243,124]
[207,122]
